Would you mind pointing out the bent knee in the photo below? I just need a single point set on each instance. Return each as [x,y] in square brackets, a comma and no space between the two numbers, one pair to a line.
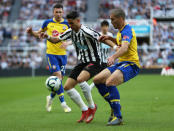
[80,80]
[109,82]
[67,87]
[96,80]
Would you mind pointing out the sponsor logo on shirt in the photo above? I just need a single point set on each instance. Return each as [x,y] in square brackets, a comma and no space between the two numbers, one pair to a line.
[55,33]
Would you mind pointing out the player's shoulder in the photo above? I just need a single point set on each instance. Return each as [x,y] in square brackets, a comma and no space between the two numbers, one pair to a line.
[65,22]
[83,27]
[127,29]
[48,21]
[89,30]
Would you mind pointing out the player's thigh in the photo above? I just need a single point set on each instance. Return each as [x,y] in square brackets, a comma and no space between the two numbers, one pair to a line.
[102,76]
[83,76]
[53,63]
[116,78]
[90,70]
[70,83]
[76,71]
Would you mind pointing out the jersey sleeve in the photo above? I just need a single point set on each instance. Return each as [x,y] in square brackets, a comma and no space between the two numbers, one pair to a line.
[44,26]
[91,33]
[66,35]
[127,35]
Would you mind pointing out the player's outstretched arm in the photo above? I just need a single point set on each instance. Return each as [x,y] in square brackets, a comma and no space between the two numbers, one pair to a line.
[30,31]
[49,38]
[111,44]
[103,38]
[123,49]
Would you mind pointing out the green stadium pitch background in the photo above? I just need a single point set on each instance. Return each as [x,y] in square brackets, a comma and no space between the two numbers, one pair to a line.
[147,105]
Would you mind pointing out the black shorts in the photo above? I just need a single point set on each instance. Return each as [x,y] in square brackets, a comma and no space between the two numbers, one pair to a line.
[93,68]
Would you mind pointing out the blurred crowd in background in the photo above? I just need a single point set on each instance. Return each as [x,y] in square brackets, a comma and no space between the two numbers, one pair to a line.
[15,60]
[5,8]
[45,6]
[137,9]
[25,54]
[161,52]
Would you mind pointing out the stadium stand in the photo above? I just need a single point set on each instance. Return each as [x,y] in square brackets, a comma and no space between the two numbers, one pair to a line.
[5,8]
[157,54]
[45,6]
[138,9]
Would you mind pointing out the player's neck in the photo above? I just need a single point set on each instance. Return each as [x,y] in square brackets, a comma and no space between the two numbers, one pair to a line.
[58,20]
[122,26]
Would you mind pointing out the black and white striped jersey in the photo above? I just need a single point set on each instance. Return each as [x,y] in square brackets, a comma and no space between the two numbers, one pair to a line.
[105,49]
[86,43]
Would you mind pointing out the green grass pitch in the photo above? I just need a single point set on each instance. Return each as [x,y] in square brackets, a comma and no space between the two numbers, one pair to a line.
[147,105]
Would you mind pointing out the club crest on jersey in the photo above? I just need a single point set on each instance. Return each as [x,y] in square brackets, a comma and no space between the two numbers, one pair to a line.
[55,33]
[125,37]
[64,27]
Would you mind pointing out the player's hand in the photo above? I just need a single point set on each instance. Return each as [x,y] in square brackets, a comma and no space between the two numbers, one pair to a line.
[29,30]
[103,38]
[43,35]
[64,45]
[111,60]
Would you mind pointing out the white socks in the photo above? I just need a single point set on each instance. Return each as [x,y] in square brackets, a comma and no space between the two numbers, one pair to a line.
[92,85]
[75,96]
[87,93]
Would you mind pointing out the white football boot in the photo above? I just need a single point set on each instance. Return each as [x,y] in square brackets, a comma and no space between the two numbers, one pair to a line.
[65,107]
[49,103]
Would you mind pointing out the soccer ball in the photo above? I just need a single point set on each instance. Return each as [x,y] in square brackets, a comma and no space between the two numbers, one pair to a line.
[53,83]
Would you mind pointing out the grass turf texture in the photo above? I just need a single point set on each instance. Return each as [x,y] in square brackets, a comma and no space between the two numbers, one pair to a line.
[147,104]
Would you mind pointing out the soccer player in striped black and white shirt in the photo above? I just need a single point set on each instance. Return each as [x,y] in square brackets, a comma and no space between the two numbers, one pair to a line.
[85,41]
[105,49]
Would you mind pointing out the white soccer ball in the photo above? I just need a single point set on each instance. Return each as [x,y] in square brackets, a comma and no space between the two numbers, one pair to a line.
[53,83]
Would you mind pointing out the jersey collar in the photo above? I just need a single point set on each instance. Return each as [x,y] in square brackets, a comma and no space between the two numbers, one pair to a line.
[58,21]
[123,27]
